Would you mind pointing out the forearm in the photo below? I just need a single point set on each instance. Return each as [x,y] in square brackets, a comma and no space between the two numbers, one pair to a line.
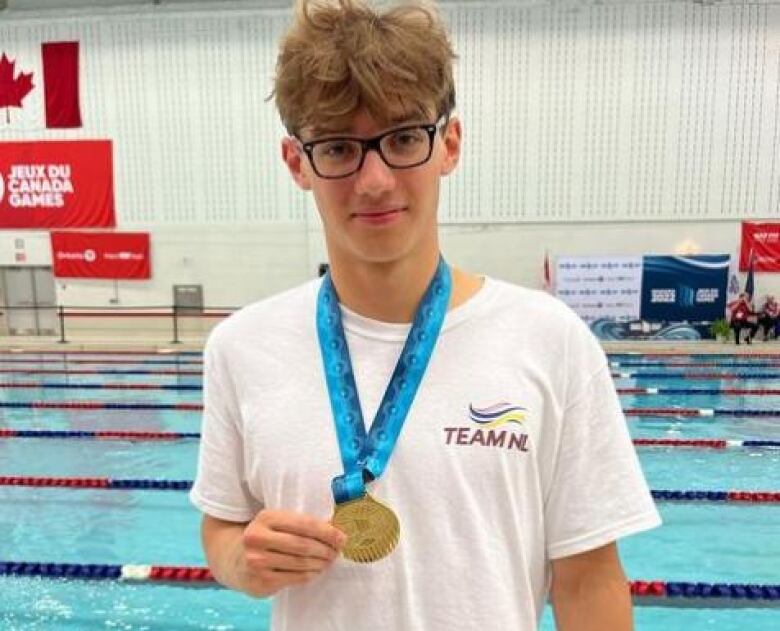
[223,546]
[598,605]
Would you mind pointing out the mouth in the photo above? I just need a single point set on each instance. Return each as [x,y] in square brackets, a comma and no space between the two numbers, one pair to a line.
[379,215]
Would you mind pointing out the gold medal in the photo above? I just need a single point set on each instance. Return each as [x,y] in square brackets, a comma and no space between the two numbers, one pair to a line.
[372,529]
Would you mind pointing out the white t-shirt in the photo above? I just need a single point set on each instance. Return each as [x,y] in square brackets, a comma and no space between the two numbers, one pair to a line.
[482,511]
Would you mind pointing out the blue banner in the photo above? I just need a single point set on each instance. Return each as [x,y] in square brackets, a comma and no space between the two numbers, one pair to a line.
[684,288]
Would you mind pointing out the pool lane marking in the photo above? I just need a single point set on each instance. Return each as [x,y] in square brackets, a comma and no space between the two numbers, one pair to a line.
[652,593]
[152,436]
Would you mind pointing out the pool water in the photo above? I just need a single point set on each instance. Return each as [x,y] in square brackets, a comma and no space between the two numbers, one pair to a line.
[698,542]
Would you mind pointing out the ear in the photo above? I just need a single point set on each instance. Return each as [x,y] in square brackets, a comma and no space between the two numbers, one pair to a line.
[293,157]
[452,138]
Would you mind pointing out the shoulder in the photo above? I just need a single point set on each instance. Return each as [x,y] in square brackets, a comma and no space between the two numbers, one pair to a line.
[536,306]
[545,328]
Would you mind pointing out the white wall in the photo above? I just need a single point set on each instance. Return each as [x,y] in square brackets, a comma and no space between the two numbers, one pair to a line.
[622,128]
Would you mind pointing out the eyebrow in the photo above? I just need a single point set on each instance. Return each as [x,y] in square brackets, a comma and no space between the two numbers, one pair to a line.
[400,120]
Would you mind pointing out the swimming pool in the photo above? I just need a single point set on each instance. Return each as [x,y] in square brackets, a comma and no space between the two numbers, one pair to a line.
[728,543]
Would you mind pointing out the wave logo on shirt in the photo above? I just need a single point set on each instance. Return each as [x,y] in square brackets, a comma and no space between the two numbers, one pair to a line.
[495,428]
[497,415]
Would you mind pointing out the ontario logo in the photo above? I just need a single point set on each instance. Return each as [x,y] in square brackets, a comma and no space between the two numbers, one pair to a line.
[494,427]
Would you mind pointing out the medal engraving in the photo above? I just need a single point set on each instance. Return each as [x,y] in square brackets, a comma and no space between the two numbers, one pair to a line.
[372,529]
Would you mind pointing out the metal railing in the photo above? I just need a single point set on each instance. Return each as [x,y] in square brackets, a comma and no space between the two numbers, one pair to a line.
[173,313]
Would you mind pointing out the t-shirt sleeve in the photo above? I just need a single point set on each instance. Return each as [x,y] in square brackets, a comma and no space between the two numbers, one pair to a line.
[220,487]
[598,493]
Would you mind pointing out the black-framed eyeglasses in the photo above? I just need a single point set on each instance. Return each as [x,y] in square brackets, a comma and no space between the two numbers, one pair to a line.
[400,148]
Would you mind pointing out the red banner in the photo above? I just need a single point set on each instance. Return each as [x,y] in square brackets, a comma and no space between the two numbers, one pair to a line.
[56,184]
[114,255]
[763,240]
[61,83]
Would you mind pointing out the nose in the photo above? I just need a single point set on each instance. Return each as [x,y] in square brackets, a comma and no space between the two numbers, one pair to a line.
[374,178]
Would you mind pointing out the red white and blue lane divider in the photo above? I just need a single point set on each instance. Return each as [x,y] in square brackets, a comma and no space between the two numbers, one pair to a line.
[705,443]
[197,407]
[704,376]
[633,355]
[95,571]
[651,593]
[125,435]
[693,391]
[170,352]
[103,484]
[79,371]
[751,497]
[735,364]
[198,387]
[101,386]
[30,360]
[704,595]
[100,405]
[689,412]
[141,436]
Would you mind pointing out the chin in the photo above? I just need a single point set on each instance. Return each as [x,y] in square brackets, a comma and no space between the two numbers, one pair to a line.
[379,257]
[384,248]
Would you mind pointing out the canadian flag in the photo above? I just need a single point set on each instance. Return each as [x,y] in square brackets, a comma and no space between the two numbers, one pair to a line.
[39,87]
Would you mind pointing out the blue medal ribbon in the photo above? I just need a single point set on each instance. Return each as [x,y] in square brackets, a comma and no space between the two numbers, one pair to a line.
[364,457]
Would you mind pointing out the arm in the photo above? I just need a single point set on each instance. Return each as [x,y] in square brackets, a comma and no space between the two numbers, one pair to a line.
[277,549]
[590,592]
[222,545]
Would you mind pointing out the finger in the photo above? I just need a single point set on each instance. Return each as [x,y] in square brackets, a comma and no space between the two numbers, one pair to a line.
[269,560]
[306,526]
[294,545]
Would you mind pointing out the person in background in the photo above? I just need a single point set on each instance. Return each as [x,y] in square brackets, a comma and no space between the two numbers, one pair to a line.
[768,317]
[742,316]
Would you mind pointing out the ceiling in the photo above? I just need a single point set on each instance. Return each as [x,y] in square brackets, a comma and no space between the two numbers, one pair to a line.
[42,6]
[45,5]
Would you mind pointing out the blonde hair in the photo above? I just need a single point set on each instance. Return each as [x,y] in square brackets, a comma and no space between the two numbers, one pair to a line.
[340,56]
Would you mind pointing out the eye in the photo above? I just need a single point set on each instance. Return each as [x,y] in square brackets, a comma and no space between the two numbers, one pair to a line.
[406,138]
[336,150]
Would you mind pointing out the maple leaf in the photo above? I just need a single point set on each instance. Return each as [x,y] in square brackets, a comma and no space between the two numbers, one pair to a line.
[12,89]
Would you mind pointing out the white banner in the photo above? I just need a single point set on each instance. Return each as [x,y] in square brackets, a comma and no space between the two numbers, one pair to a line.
[601,286]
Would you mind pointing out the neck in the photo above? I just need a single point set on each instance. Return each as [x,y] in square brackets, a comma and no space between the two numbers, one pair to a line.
[391,292]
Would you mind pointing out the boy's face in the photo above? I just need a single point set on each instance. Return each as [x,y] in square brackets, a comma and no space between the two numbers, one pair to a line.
[378,214]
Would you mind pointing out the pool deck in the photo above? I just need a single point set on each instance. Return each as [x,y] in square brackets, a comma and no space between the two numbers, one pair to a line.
[133,343]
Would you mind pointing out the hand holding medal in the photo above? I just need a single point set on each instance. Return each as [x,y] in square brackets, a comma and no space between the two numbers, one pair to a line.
[372,528]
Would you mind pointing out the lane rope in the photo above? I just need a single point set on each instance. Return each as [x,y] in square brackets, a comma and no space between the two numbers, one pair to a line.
[697,391]
[125,435]
[145,436]
[708,412]
[97,483]
[101,386]
[644,593]
[694,364]
[662,495]
[711,376]
[99,405]
[175,362]
[79,371]
[118,353]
